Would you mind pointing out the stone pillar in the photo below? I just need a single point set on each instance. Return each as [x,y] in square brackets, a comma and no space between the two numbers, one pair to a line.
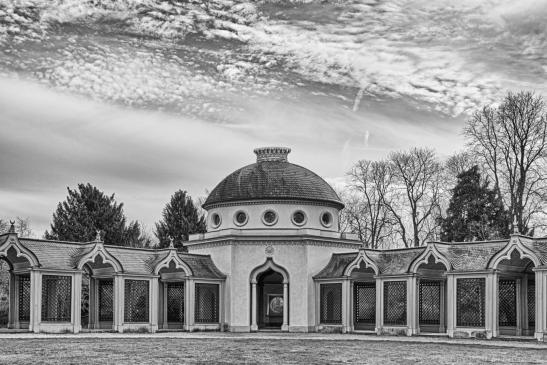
[118,303]
[412,303]
[13,304]
[346,306]
[285,326]
[190,304]
[35,301]
[76,314]
[541,304]
[519,304]
[491,305]
[442,324]
[450,305]
[154,304]
[379,306]
[254,302]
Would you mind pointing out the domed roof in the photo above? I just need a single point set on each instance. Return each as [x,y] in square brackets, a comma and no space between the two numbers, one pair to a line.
[272,177]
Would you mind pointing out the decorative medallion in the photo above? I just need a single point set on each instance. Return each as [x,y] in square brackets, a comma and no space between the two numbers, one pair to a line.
[269,251]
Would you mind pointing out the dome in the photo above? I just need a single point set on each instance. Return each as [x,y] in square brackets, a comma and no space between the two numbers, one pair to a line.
[272,177]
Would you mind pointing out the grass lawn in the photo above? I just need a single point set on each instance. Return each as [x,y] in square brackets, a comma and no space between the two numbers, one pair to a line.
[255,351]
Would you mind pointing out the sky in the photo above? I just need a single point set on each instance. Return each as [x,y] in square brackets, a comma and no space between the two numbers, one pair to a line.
[145,97]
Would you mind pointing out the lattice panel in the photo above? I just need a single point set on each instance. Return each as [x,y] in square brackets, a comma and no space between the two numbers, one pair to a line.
[136,301]
[470,302]
[395,302]
[56,298]
[175,302]
[106,300]
[24,298]
[365,303]
[531,302]
[206,303]
[430,302]
[331,303]
[507,291]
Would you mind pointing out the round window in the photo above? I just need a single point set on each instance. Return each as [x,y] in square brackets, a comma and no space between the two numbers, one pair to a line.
[299,218]
[215,220]
[240,218]
[269,217]
[326,219]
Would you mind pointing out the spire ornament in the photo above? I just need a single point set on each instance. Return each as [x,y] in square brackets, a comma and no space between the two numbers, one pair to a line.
[171,243]
[12,227]
[515,225]
[98,236]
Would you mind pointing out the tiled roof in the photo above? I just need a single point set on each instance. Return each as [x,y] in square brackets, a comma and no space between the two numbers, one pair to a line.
[61,255]
[473,256]
[393,262]
[336,266]
[267,180]
[539,247]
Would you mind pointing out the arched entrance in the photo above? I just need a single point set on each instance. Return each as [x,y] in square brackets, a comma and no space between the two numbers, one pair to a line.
[516,296]
[269,297]
[431,296]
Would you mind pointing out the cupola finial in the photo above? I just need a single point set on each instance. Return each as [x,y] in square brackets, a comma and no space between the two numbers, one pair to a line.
[11,226]
[272,154]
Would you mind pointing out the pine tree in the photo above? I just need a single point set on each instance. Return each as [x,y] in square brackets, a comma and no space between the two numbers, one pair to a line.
[87,210]
[475,211]
[180,219]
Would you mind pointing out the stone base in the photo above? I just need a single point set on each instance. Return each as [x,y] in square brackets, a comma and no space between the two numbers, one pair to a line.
[395,331]
[240,329]
[329,329]
[479,334]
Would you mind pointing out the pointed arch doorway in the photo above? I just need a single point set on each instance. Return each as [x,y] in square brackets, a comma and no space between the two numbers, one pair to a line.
[269,297]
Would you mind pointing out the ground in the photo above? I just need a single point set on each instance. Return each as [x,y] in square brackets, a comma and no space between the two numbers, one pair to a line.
[261,349]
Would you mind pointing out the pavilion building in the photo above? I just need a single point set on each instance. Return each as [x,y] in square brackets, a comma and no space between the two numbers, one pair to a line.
[274,258]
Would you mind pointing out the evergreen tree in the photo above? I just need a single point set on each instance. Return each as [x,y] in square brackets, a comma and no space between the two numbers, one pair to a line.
[475,211]
[180,219]
[86,210]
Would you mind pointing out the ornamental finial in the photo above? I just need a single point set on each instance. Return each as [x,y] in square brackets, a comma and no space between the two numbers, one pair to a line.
[11,227]
[171,243]
[515,225]
[98,236]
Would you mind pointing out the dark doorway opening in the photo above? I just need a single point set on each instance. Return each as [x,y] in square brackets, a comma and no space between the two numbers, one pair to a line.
[270,300]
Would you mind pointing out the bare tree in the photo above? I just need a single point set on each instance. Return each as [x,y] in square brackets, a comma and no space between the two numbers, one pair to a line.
[459,162]
[511,140]
[418,176]
[368,209]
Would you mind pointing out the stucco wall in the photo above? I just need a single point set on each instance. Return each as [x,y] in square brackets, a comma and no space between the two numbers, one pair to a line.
[284,213]
[300,260]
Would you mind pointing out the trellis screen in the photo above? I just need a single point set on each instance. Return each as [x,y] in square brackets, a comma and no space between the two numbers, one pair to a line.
[56,298]
[331,303]
[207,303]
[507,290]
[531,298]
[430,302]
[24,298]
[175,302]
[106,300]
[470,301]
[136,301]
[395,303]
[365,303]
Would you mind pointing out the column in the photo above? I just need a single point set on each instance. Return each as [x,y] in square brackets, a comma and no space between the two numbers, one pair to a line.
[76,302]
[379,304]
[450,305]
[164,292]
[346,303]
[442,324]
[191,295]
[285,326]
[35,301]
[13,309]
[519,306]
[491,306]
[154,304]
[118,303]
[412,303]
[254,326]
[541,304]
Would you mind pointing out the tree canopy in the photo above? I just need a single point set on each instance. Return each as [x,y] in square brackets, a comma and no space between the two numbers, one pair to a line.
[475,211]
[87,210]
[180,218]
